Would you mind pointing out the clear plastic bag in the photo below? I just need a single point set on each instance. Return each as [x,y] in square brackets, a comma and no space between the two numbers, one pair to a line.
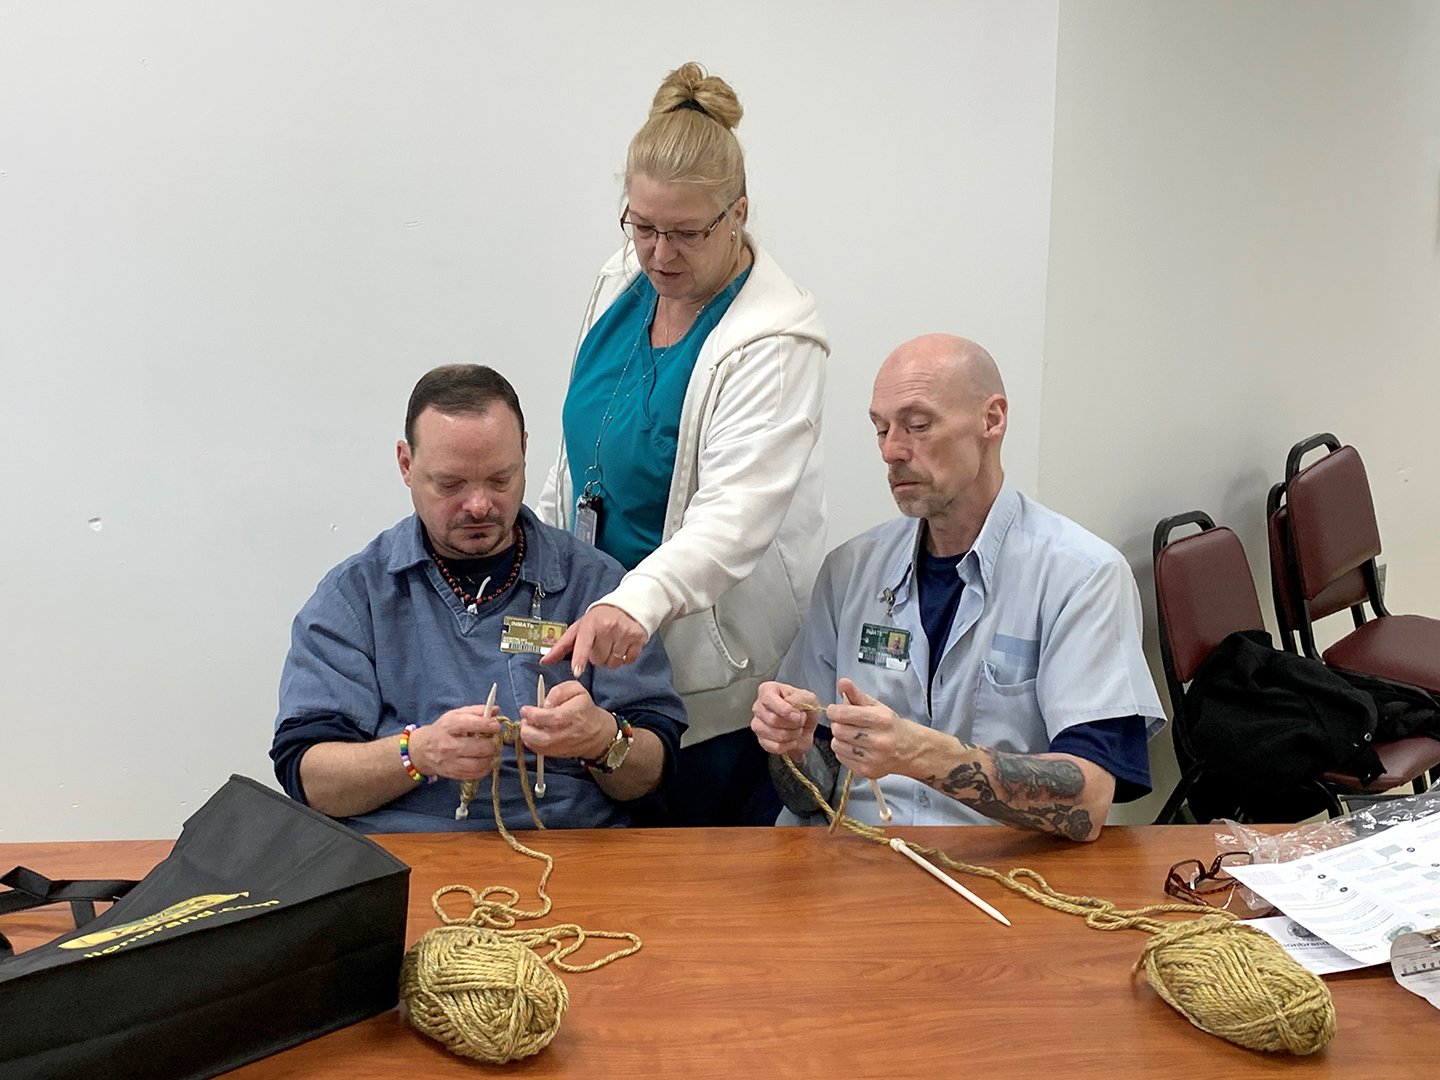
[1322,835]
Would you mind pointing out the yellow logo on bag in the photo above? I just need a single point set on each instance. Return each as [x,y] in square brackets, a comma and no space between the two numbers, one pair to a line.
[186,911]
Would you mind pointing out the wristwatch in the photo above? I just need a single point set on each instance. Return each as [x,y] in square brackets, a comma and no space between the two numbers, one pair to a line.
[614,755]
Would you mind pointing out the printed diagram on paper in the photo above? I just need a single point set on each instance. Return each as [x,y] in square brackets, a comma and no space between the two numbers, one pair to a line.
[1364,895]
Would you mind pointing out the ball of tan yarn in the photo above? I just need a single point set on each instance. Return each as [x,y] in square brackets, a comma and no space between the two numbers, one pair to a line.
[1238,983]
[481,996]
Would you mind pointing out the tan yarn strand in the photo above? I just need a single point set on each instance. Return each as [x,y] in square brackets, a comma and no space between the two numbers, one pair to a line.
[478,985]
[1227,979]
[838,814]
[508,735]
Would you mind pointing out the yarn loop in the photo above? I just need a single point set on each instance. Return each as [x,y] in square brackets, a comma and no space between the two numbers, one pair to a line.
[1227,979]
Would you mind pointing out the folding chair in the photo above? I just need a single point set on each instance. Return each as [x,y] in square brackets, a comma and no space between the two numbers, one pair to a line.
[1203,593]
[1324,542]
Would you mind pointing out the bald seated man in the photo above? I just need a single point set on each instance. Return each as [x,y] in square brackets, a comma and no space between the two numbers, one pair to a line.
[980,656]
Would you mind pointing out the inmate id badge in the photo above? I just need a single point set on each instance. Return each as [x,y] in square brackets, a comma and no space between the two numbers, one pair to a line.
[522,635]
[885,646]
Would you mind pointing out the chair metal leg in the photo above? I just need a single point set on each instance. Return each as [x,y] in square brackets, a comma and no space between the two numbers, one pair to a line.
[1332,801]
[1171,810]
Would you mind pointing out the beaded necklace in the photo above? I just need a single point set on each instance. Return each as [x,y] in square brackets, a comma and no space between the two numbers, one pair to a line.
[472,602]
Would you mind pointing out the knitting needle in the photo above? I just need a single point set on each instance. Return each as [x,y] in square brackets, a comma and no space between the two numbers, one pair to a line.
[468,787]
[540,758]
[880,801]
[940,875]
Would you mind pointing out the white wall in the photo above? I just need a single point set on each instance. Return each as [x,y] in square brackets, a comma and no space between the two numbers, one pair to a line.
[232,235]
[1245,250]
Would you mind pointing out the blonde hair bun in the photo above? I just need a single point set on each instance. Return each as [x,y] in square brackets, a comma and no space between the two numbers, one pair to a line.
[689,87]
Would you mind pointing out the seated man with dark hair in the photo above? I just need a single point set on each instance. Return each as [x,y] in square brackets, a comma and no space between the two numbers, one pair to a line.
[382,700]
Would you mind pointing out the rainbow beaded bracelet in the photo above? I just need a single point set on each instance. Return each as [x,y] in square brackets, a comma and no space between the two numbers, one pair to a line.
[415,774]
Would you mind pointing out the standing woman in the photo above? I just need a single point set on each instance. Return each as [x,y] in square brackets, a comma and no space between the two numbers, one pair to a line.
[691,447]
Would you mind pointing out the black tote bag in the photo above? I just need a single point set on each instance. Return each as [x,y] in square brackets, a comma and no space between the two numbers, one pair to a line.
[267,925]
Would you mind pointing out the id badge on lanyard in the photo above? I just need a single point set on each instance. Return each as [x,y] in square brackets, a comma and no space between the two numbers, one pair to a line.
[587,518]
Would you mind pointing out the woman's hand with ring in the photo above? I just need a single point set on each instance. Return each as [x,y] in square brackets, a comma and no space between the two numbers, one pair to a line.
[604,636]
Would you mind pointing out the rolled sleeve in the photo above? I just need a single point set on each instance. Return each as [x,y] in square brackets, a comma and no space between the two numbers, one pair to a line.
[1092,666]
[329,674]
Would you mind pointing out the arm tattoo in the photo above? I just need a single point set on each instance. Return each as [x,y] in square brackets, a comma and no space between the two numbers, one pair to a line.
[1035,778]
[821,766]
[1024,778]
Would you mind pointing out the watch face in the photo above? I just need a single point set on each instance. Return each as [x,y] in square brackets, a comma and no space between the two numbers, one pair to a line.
[616,754]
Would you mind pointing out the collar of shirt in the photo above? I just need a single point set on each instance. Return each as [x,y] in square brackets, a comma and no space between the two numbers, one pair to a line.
[542,566]
[977,566]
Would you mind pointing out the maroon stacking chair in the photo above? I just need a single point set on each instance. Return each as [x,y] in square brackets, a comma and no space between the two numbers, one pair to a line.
[1203,593]
[1324,543]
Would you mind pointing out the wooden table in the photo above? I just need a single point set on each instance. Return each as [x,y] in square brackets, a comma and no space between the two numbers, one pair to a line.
[791,953]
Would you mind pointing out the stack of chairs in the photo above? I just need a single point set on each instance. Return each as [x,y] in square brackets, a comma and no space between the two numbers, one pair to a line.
[1324,545]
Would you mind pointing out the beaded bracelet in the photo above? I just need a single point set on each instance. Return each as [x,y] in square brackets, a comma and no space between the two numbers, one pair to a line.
[415,774]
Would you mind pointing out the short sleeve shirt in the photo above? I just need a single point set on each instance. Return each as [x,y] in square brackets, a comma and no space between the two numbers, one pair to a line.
[1046,636]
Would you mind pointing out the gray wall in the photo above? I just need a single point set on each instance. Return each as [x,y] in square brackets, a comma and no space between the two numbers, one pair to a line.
[1245,250]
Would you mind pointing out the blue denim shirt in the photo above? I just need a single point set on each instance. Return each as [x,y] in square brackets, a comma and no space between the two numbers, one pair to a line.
[385,642]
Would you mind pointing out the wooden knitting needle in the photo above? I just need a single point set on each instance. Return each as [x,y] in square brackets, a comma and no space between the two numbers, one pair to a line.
[469,787]
[940,875]
[875,784]
[880,800]
[540,758]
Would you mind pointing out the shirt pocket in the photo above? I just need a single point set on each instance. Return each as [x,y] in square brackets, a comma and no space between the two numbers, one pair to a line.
[1007,714]
[1013,660]
[524,671]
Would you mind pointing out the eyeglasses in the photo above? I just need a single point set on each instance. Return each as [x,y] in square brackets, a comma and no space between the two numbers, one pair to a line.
[1194,882]
[679,238]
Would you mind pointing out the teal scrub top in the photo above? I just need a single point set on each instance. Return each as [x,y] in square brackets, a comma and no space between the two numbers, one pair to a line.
[622,416]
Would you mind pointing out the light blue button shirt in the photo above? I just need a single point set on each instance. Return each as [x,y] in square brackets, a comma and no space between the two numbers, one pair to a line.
[1046,636]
